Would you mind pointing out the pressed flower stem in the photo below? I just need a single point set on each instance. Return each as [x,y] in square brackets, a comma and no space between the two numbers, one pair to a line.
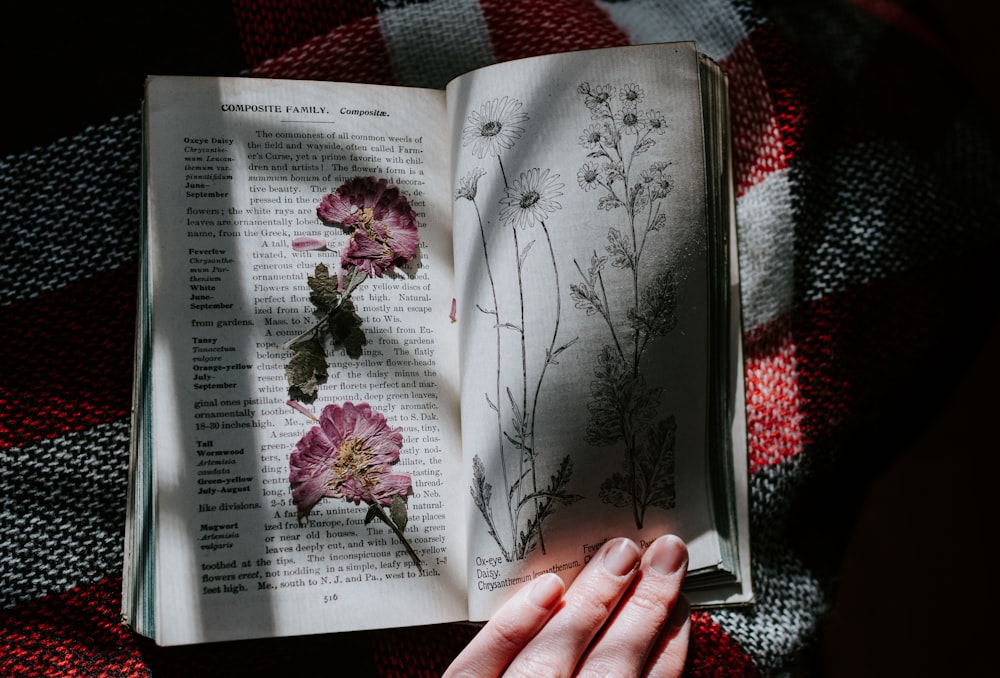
[316,327]
[352,280]
[377,510]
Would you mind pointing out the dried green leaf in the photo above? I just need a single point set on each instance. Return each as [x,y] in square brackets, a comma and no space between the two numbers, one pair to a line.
[324,293]
[397,511]
[344,324]
[306,370]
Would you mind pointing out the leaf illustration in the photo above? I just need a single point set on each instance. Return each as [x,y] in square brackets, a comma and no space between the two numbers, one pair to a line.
[656,315]
[619,401]
[596,266]
[658,223]
[615,491]
[517,484]
[657,463]
[526,538]
[584,297]
[648,474]
[524,253]
[609,202]
[620,249]
[516,417]
[560,349]
[481,490]
[643,146]
[560,480]
[639,197]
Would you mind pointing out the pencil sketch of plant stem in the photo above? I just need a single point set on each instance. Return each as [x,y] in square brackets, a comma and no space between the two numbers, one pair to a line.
[623,407]
[528,200]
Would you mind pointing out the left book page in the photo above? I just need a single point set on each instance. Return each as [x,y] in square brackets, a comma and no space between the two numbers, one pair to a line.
[234,170]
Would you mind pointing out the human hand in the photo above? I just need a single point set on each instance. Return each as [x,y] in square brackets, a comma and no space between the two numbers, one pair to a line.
[622,616]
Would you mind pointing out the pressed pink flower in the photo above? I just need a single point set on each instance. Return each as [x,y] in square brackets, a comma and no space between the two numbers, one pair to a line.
[376,248]
[381,223]
[348,455]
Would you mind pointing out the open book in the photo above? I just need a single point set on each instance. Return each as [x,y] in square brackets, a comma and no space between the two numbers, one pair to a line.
[401,350]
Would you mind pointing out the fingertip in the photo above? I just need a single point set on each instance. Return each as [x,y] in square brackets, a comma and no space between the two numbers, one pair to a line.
[621,556]
[547,590]
[668,555]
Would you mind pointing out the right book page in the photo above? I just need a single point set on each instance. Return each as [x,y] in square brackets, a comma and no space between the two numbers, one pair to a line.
[592,275]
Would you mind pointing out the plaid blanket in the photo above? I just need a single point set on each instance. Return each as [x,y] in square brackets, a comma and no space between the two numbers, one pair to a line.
[867,188]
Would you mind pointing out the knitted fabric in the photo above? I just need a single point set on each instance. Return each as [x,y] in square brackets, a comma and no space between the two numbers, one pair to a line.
[867,185]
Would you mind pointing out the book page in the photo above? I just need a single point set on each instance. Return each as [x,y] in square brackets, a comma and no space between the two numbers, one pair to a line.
[583,286]
[237,170]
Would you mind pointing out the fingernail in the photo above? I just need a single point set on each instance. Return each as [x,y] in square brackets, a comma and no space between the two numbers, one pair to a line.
[621,557]
[668,554]
[546,590]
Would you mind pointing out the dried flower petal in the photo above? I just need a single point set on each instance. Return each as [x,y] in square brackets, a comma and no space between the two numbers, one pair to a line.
[306,243]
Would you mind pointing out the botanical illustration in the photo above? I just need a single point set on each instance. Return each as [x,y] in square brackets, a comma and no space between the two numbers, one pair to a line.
[533,484]
[349,455]
[382,230]
[623,407]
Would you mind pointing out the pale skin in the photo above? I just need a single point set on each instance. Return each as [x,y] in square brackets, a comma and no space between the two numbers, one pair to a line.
[623,615]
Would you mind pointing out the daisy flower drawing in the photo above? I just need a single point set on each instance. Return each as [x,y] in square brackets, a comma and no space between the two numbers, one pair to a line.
[469,184]
[494,127]
[531,198]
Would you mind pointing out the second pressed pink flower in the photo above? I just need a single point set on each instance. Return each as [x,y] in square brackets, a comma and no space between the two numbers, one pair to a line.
[348,455]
